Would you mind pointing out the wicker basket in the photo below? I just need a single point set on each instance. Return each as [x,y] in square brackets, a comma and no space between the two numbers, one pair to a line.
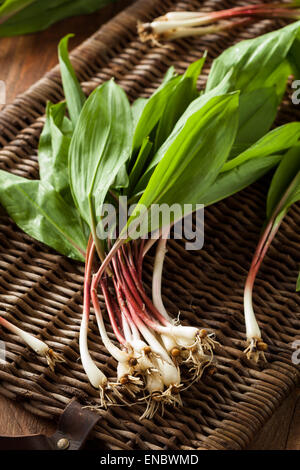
[43,291]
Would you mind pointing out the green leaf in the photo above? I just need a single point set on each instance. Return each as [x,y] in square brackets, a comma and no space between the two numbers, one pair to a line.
[53,150]
[139,164]
[298,283]
[274,142]
[194,70]
[155,117]
[256,60]
[194,107]
[181,97]
[257,111]
[40,14]
[185,91]
[170,73]
[284,175]
[100,146]
[194,159]
[10,7]
[122,179]
[152,111]
[72,89]
[43,214]
[238,178]
[264,62]
[137,109]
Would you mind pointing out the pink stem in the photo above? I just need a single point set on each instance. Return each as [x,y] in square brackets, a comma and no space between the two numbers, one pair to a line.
[90,252]
[111,312]
[142,292]
[137,311]
[261,251]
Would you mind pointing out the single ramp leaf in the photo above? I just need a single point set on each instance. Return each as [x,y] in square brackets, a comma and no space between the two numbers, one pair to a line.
[100,146]
[43,214]
[74,95]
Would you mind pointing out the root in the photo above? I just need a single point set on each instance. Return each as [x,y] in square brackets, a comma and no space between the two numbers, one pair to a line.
[158,400]
[129,384]
[106,399]
[146,34]
[197,363]
[200,354]
[52,358]
[176,321]
[256,350]
[151,409]
[206,342]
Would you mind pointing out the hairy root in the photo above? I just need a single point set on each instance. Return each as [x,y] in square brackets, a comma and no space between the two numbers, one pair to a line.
[256,350]
[158,400]
[52,358]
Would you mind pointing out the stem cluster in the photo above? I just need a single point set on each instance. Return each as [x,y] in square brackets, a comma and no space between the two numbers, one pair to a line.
[152,347]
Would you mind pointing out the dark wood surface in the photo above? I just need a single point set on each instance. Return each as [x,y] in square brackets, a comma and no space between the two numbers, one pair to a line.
[23,60]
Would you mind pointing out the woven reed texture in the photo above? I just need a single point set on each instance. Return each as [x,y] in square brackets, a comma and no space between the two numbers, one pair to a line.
[42,291]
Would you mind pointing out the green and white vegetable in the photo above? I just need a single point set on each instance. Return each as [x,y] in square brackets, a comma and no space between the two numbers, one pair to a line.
[178,146]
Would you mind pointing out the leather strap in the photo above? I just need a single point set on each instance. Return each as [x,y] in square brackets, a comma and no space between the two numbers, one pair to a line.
[74,427]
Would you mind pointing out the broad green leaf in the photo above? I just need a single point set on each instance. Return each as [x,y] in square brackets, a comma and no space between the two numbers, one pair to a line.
[194,70]
[53,153]
[274,142]
[139,164]
[194,107]
[185,91]
[256,60]
[40,14]
[194,159]
[53,149]
[293,57]
[239,178]
[153,111]
[137,109]
[257,111]
[43,214]
[181,97]
[263,62]
[285,173]
[74,95]
[100,146]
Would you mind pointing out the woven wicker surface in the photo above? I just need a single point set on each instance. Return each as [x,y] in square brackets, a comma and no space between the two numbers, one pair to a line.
[43,291]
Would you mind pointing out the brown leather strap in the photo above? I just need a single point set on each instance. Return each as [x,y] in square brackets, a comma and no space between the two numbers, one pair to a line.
[73,429]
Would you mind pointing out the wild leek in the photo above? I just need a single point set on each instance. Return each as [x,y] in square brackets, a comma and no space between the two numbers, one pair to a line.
[38,346]
[283,193]
[179,24]
[178,147]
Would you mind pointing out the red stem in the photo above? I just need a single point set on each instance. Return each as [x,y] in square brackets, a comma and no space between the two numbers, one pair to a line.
[261,251]
[111,312]
[90,252]
[254,10]
[121,302]
[269,233]
[140,260]
[142,292]
[135,310]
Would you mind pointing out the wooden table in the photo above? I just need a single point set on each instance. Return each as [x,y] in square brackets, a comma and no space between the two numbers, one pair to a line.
[23,61]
